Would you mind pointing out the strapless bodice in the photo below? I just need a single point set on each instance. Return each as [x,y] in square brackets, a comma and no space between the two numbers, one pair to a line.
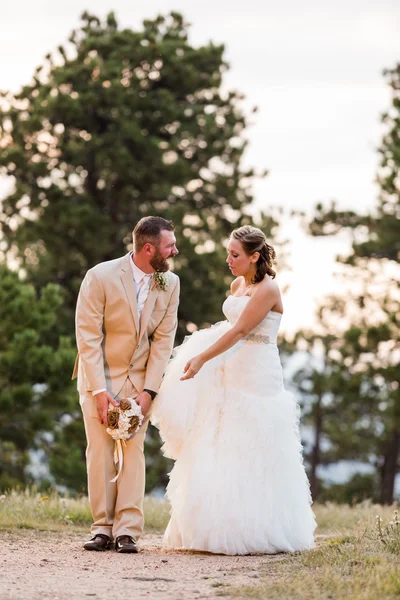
[269,326]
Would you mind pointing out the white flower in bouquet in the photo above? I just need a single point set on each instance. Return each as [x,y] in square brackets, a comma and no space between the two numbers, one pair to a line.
[123,422]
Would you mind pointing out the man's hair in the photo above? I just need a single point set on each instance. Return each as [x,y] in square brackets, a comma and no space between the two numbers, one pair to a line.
[148,230]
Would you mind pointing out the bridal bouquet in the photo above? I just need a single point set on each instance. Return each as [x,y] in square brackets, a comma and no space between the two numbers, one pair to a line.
[123,422]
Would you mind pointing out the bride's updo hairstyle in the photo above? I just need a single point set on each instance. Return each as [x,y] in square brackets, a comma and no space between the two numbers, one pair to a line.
[253,240]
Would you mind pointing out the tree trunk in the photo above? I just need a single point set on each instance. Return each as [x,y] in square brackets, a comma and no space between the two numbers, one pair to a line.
[316,450]
[389,469]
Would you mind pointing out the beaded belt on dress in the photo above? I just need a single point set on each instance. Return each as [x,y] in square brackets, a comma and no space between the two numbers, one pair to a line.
[258,338]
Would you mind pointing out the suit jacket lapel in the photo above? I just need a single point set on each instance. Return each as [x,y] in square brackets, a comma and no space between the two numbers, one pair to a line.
[147,308]
[128,283]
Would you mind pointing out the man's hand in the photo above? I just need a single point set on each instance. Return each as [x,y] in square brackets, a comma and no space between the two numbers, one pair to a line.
[144,401]
[103,399]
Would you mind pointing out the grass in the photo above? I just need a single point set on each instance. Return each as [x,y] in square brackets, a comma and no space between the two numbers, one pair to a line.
[53,512]
[355,559]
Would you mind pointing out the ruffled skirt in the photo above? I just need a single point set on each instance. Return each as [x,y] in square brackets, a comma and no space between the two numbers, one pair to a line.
[238,485]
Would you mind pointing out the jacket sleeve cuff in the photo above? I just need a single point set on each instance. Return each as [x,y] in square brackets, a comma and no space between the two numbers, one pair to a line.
[94,392]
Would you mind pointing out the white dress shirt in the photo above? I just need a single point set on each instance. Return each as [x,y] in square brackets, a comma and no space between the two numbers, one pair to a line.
[142,283]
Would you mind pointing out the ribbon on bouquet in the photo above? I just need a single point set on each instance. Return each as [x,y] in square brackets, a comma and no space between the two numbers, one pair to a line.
[118,458]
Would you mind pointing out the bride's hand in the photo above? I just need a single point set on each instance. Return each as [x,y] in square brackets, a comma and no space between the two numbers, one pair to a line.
[192,367]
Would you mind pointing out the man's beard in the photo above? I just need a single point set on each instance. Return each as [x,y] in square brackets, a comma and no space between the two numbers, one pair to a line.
[159,263]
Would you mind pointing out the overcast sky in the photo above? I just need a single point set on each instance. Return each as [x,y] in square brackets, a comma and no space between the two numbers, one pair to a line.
[313,68]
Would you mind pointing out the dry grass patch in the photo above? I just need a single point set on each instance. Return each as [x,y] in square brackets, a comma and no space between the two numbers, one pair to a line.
[357,560]
[53,512]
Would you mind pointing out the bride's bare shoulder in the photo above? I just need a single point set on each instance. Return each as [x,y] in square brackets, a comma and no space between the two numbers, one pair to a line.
[235,284]
[267,286]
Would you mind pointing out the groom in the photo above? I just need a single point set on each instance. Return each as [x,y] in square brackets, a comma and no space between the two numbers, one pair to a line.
[126,318]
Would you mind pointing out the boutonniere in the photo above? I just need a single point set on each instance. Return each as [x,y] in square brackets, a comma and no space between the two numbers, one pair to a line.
[161,281]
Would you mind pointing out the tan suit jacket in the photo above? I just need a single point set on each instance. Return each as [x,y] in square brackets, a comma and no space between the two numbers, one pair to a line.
[112,345]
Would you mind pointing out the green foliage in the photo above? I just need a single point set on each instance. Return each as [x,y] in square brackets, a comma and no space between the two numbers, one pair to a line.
[35,366]
[349,386]
[365,422]
[118,124]
[67,454]
[358,488]
[377,235]
[157,466]
[125,124]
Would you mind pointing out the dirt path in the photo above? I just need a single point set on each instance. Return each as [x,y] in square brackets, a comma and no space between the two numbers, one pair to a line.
[37,565]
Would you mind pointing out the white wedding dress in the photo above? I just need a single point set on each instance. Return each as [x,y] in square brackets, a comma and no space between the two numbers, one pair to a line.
[238,485]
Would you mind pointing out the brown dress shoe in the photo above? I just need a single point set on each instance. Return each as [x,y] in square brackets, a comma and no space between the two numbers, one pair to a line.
[99,543]
[125,543]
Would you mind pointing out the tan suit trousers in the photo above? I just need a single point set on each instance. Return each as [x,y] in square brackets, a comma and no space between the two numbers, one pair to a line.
[117,508]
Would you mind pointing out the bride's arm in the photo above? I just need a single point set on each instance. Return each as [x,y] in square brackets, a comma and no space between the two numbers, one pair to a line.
[257,308]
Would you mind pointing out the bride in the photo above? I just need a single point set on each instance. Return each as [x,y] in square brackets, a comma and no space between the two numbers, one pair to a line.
[238,484]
